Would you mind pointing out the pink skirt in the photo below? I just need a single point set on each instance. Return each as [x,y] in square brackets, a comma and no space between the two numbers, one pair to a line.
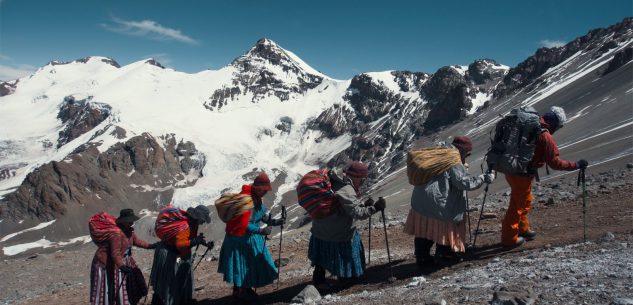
[444,233]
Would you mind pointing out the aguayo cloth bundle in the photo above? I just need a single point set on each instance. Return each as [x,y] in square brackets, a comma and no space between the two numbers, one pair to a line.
[102,226]
[424,164]
[231,205]
[315,194]
[170,221]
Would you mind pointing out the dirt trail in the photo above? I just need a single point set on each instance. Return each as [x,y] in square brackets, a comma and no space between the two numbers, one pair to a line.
[610,209]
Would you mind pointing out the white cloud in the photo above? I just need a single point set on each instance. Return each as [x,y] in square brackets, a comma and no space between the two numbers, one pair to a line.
[149,29]
[2,56]
[15,72]
[552,43]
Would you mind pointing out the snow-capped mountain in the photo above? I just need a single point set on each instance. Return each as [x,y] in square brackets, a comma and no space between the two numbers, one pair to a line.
[88,135]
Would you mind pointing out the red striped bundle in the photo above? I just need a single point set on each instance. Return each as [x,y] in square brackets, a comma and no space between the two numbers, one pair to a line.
[315,194]
[169,222]
[102,226]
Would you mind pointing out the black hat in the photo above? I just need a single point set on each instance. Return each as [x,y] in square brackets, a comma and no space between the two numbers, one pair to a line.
[127,215]
[200,213]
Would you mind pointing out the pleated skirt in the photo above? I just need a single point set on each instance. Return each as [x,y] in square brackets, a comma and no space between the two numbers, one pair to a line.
[345,259]
[246,262]
[446,233]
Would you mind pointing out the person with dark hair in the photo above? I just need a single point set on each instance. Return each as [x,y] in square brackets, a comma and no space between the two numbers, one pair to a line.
[115,277]
[244,259]
[335,243]
[172,274]
[515,229]
[438,201]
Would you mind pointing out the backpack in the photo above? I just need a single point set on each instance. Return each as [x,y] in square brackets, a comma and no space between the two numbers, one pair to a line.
[231,205]
[102,226]
[424,164]
[316,195]
[512,146]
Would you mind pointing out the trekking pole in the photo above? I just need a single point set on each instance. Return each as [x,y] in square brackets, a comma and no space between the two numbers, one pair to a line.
[369,259]
[581,180]
[281,238]
[481,213]
[384,226]
[470,233]
[116,293]
[201,258]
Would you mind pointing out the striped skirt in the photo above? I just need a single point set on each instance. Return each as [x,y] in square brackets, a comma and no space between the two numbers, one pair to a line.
[111,287]
[446,233]
[246,262]
[344,259]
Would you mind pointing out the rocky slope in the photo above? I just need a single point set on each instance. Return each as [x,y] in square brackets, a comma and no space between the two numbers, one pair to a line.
[270,110]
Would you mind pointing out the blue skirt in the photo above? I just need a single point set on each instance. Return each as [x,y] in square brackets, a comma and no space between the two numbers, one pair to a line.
[246,262]
[341,258]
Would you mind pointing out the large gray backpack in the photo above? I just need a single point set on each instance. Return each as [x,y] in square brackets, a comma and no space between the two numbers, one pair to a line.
[514,140]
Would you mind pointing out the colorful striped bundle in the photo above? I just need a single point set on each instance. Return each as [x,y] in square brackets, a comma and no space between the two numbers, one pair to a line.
[231,205]
[102,226]
[169,222]
[315,194]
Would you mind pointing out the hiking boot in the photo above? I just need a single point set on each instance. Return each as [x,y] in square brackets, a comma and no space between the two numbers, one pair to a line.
[246,294]
[318,276]
[519,242]
[345,282]
[528,235]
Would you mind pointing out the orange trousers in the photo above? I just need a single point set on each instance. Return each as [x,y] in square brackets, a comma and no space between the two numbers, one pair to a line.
[516,219]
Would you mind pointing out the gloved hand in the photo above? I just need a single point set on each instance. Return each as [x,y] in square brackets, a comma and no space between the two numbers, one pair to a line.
[126,269]
[265,231]
[198,240]
[275,222]
[369,202]
[489,177]
[582,164]
[153,246]
[210,244]
[381,204]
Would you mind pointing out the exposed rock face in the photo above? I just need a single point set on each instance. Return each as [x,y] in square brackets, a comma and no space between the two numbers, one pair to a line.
[255,76]
[80,116]
[7,88]
[154,62]
[447,92]
[382,121]
[84,60]
[88,178]
[597,41]
[619,60]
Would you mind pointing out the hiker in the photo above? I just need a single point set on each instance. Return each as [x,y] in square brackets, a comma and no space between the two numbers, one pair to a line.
[244,259]
[172,274]
[515,229]
[438,202]
[114,276]
[335,243]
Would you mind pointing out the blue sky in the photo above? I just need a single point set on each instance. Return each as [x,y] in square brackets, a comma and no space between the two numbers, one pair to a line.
[339,38]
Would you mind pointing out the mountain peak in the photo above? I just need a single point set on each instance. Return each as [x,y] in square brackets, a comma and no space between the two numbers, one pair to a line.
[267,49]
[266,52]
